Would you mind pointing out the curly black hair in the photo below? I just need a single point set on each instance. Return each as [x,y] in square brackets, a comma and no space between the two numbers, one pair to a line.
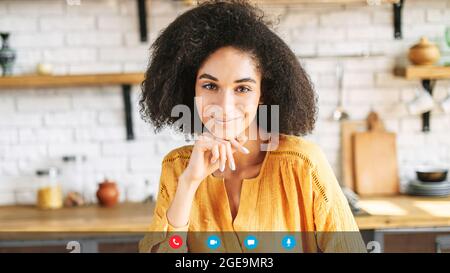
[184,45]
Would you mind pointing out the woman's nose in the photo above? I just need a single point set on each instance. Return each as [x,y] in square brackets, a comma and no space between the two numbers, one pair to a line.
[227,102]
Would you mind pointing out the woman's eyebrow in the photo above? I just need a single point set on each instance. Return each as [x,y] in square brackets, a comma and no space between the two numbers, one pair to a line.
[245,80]
[207,76]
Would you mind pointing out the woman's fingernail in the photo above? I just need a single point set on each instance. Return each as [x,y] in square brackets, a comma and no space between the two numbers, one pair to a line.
[213,160]
[222,167]
[245,150]
[232,166]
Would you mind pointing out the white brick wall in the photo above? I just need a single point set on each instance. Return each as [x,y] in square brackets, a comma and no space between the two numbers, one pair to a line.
[38,126]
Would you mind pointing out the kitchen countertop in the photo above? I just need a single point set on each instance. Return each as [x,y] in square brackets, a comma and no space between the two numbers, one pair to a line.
[385,213]
[124,217]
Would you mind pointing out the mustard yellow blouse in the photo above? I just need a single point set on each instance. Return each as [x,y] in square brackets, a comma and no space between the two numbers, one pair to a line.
[295,191]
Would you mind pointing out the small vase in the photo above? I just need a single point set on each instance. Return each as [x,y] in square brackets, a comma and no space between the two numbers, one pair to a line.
[424,53]
[107,193]
[7,55]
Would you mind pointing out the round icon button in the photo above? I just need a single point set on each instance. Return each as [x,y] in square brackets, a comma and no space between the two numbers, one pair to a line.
[288,242]
[213,242]
[175,241]
[251,242]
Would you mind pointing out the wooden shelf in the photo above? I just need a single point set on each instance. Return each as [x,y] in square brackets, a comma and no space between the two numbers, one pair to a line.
[125,80]
[416,72]
[397,7]
[321,1]
[287,2]
[36,81]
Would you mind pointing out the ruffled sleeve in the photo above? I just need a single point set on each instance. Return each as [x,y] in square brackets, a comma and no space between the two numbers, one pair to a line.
[157,238]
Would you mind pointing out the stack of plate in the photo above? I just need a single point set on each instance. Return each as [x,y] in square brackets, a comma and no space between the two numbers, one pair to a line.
[417,187]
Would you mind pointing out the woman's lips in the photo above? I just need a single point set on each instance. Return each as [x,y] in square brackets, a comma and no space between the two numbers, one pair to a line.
[226,121]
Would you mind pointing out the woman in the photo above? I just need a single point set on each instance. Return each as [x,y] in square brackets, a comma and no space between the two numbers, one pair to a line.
[223,54]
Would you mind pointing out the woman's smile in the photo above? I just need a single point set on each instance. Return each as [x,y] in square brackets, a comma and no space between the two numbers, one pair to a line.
[227,121]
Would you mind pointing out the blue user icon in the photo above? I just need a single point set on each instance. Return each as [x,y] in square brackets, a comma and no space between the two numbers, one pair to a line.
[288,242]
[251,242]
[213,242]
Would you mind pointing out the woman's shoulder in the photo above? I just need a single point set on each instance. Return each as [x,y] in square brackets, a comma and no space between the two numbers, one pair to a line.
[181,153]
[299,148]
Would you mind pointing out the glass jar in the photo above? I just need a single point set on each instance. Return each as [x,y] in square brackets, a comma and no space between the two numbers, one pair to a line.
[49,195]
[73,173]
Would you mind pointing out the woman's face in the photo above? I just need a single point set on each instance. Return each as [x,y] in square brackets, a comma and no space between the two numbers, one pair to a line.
[228,91]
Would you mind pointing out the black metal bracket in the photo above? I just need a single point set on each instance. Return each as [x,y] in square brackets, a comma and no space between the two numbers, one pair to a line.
[398,19]
[126,90]
[142,12]
[429,86]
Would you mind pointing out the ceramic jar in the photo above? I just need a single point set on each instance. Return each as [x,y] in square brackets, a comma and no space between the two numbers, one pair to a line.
[424,53]
[108,193]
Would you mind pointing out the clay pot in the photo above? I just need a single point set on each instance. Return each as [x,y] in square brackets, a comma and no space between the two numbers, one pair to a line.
[107,193]
[424,53]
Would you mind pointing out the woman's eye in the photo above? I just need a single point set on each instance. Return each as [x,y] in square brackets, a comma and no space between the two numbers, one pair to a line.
[209,86]
[243,89]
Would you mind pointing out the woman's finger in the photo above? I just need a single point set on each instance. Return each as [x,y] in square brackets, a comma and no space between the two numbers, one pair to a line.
[215,153]
[239,146]
[242,139]
[230,156]
[223,156]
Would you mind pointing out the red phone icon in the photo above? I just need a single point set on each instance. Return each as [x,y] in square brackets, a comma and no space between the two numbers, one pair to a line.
[175,241]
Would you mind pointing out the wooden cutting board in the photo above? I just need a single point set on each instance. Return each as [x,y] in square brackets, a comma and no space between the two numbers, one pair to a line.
[375,159]
[348,128]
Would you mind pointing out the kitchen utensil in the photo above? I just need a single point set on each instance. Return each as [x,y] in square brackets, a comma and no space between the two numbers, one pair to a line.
[445,104]
[422,103]
[424,53]
[340,113]
[348,128]
[375,158]
[416,187]
[430,174]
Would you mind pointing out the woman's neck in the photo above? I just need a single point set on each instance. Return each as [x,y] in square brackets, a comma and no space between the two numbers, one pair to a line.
[255,157]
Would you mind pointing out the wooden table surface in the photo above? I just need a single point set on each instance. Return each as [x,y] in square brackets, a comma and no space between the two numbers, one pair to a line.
[404,212]
[386,212]
[125,217]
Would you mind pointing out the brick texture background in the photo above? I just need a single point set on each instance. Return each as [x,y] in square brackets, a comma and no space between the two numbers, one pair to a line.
[38,126]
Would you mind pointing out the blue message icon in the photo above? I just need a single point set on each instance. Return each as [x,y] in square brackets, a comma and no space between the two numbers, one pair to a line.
[251,242]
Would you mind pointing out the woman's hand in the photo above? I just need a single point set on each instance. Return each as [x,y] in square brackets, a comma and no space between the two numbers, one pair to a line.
[209,154]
